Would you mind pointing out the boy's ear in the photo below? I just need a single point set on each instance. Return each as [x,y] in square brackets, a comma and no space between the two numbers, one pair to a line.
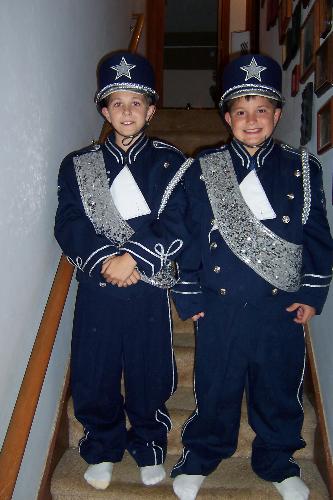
[150,112]
[227,118]
[106,114]
[277,115]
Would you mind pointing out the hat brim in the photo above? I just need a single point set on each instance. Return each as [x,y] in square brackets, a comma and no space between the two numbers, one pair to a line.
[125,87]
[251,90]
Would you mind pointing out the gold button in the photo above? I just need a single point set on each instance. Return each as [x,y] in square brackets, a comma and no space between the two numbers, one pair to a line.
[101,283]
[217,269]
[223,291]
[286,219]
[166,164]
[297,173]
[290,196]
[275,291]
[213,245]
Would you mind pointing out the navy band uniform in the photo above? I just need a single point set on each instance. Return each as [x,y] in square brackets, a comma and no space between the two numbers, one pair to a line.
[122,330]
[250,270]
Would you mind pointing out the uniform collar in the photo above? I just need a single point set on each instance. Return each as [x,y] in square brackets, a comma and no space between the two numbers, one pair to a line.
[258,158]
[129,156]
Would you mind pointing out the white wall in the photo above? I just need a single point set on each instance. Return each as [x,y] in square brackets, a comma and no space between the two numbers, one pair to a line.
[289,131]
[49,52]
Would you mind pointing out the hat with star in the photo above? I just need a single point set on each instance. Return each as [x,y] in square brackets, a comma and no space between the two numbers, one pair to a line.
[252,74]
[124,70]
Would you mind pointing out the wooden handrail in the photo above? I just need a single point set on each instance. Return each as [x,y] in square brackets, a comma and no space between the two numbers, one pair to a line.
[19,428]
[23,414]
[137,31]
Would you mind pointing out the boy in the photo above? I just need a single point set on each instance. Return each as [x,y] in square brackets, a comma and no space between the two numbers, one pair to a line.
[119,221]
[266,261]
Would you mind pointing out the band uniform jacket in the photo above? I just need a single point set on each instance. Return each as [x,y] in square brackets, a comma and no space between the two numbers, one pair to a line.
[284,259]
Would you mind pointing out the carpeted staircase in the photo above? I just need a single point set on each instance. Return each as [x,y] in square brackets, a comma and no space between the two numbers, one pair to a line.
[234,479]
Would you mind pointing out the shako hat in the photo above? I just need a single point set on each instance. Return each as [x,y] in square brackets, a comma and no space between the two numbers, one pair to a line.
[252,74]
[124,70]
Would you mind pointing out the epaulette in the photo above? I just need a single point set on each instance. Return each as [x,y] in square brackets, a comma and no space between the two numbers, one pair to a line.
[298,152]
[165,145]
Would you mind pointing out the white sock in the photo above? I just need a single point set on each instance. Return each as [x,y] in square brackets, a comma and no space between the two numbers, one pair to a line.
[293,488]
[152,474]
[99,475]
[186,486]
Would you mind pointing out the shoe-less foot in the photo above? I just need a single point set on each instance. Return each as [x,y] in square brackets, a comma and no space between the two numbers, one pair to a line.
[152,474]
[186,486]
[293,488]
[99,475]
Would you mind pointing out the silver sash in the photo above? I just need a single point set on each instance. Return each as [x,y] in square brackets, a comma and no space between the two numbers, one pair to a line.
[276,260]
[103,214]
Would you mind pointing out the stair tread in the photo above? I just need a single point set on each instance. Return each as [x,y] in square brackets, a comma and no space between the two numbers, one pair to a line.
[233,479]
[182,403]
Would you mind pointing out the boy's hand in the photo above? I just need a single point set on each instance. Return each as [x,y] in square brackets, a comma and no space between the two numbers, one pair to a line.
[132,280]
[198,315]
[118,269]
[304,312]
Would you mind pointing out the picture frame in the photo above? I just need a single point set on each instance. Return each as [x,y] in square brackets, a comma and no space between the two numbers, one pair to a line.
[323,79]
[306,117]
[285,12]
[295,76]
[325,127]
[309,42]
[286,52]
[325,17]
[272,12]
[296,29]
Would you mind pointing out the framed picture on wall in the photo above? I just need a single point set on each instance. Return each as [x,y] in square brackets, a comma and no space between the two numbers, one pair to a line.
[325,17]
[325,127]
[296,29]
[323,79]
[309,42]
[295,80]
[285,13]
[272,12]
[306,117]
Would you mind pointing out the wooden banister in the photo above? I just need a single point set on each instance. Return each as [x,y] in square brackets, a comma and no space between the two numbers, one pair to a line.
[23,414]
[19,428]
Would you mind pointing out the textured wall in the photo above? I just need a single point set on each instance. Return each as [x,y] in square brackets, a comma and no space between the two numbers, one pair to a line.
[49,52]
[289,131]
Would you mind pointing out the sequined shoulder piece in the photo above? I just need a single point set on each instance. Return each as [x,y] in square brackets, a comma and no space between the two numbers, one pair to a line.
[173,183]
[276,260]
[96,197]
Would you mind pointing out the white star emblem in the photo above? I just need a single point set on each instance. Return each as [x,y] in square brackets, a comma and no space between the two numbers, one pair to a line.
[253,70]
[123,69]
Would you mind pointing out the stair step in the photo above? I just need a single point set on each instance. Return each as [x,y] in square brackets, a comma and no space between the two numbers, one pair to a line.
[180,326]
[188,120]
[181,405]
[233,479]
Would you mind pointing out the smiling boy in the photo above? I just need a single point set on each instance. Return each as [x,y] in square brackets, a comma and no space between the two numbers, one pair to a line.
[120,222]
[265,265]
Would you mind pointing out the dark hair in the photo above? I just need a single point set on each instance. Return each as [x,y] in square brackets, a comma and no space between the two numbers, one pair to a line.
[106,101]
[228,104]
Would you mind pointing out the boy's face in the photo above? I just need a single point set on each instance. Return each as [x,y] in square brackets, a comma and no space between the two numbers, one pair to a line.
[252,121]
[127,112]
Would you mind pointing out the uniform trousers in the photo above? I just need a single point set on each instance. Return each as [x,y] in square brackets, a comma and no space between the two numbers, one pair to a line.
[240,346]
[122,332]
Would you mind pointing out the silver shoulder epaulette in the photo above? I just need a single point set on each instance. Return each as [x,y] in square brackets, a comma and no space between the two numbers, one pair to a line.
[165,145]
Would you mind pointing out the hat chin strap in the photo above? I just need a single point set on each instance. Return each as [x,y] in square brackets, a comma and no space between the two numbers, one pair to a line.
[128,139]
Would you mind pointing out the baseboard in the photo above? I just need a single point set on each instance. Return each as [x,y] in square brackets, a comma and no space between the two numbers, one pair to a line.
[322,452]
[58,443]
